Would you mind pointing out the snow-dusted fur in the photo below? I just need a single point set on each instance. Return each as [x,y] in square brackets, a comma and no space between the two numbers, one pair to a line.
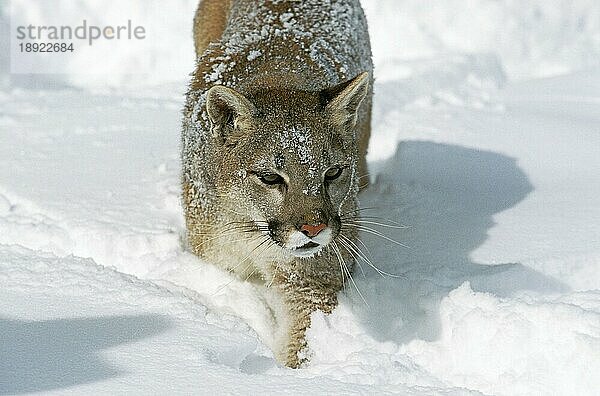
[281,90]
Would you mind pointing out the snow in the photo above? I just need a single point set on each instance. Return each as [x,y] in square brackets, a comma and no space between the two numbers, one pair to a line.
[494,171]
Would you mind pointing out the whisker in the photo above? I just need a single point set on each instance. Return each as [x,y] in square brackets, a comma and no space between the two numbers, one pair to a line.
[245,268]
[202,243]
[382,219]
[398,227]
[273,277]
[356,210]
[234,241]
[363,245]
[250,275]
[374,232]
[234,225]
[356,259]
[343,263]
[208,233]
[342,275]
[373,218]
[229,230]
[266,239]
[353,246]
[258,255]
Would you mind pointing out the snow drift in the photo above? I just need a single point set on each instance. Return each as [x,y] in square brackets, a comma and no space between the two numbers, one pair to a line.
[497,289]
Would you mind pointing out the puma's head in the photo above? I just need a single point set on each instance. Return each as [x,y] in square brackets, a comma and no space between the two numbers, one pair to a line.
[288,161]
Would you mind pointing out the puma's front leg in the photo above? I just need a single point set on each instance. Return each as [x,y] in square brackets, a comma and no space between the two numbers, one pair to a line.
[302,294]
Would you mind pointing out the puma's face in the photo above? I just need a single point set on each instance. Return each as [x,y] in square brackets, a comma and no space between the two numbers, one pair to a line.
[289,162]
[295,182]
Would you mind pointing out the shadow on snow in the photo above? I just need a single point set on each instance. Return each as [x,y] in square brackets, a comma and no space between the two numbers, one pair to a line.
[54,354]
[447,196]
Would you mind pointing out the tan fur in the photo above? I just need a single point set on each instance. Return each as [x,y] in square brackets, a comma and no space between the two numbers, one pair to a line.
[274,96]
[209,22]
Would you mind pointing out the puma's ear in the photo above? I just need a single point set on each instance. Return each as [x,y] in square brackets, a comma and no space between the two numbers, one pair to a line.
[344,99]
[230,112]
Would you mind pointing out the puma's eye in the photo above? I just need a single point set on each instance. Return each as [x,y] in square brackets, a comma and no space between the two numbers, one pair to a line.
[333,173]
[271,179]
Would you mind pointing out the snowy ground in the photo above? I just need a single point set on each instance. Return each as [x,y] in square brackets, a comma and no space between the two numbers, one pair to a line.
[497,179]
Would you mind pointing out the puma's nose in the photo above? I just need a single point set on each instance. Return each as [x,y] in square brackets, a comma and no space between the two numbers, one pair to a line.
[312,230]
